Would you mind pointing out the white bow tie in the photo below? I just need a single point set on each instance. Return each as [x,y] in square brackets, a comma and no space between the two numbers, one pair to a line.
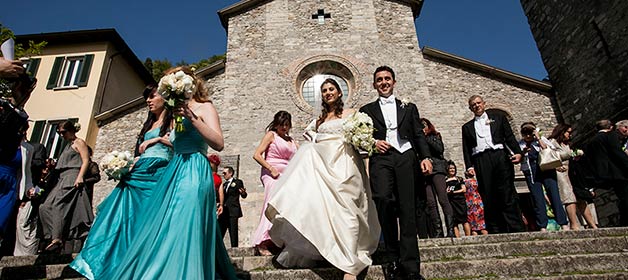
[384,100]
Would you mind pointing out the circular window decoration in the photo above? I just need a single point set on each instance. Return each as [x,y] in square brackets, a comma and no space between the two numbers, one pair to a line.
[311,77]
[311,90]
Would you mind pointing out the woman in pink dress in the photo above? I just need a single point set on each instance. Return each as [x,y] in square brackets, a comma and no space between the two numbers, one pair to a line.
[273,154]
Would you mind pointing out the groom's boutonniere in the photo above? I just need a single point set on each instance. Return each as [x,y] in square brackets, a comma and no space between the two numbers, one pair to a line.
[232,184]
[404,102]
[489,121]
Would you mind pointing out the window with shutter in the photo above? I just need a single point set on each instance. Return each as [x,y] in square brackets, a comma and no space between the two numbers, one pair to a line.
[70,72]
[45,132]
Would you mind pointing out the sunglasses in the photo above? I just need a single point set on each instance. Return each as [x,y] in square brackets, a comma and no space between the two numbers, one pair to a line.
[61,131]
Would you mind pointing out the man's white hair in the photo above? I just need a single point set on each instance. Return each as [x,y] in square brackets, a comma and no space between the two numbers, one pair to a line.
[622,123]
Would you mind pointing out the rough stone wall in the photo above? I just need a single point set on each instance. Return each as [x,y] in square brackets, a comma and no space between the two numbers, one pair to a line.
[450,88]
[269,44]
[584,46]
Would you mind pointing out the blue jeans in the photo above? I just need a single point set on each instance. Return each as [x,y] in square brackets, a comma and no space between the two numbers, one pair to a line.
[547,179]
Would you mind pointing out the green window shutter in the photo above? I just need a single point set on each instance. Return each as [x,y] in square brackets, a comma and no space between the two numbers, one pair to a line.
[54,74]
[85,69]
[33,65]
[38,129]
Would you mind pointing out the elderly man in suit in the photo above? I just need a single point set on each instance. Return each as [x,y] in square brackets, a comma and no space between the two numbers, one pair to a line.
[395,174]
[487,142]
[233,190]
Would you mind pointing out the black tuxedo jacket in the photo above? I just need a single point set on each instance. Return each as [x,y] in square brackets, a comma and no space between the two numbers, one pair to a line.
[232,197]
[409,126]
[500,132]
[606,160]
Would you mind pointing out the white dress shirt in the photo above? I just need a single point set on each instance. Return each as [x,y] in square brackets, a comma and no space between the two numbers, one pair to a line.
[389,110]
[483,135]
[228,184]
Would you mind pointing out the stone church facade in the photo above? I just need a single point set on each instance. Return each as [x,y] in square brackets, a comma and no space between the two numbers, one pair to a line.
[276,49]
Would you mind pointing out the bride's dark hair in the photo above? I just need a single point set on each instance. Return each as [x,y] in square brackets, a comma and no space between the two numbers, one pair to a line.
[336,107]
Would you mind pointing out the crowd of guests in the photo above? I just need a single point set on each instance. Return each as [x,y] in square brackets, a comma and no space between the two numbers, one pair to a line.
[354,205]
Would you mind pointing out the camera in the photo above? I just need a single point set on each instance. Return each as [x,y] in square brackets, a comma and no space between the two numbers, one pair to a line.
[18,89]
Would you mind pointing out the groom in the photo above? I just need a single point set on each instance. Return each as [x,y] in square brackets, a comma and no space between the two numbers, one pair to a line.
[395,173]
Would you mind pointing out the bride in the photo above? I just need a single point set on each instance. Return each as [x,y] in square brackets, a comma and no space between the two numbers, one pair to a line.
[336,220]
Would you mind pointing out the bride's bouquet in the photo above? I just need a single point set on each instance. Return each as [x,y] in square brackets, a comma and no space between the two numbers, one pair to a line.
[358,131]
[176,88]
[117,164]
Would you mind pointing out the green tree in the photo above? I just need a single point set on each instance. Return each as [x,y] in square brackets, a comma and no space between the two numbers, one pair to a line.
[206,62]
[157,67]
[21,51]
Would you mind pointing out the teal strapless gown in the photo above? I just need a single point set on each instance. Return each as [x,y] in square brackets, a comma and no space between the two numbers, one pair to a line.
[179,236]
[115,226]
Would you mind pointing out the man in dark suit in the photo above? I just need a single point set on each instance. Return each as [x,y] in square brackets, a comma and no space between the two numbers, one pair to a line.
[490,149]
[609,164]
[395,174]
[233,189]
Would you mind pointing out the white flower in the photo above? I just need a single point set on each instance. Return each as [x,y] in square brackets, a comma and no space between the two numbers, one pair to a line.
[404,102]
[116,164]
[358,131]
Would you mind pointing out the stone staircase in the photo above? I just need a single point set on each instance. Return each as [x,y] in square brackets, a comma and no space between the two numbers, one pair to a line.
[586,254]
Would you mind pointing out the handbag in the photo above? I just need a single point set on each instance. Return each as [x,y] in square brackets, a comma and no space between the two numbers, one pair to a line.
[549,159]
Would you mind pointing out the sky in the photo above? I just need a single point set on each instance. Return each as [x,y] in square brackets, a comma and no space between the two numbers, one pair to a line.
[494,32]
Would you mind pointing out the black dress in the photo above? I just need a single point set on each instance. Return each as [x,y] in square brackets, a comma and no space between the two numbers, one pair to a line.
[457,200]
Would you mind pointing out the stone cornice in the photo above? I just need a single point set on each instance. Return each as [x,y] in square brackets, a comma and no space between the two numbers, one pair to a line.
[245,5]
[106,116]
[210,69]
[514,78]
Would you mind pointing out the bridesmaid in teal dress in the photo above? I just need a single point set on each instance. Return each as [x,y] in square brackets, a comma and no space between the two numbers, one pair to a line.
[115,226]
[180,238]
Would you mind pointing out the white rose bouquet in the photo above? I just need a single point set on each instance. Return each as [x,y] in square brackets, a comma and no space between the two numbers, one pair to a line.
[358,131]
[176,88]
[117,164]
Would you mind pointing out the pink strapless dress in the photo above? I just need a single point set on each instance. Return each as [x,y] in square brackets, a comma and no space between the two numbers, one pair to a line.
[278,154]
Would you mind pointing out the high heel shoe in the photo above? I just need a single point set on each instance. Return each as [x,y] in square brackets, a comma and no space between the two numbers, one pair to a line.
[55,246]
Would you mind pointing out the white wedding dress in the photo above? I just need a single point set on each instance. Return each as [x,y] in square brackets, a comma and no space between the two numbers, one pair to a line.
[322,208]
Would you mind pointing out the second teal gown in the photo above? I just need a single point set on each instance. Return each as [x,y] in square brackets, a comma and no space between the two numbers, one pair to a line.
[115,226]
[178,237]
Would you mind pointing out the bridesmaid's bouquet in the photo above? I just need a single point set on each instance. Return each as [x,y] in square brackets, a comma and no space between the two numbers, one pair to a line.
[176,88]
[358,131]
[117,164]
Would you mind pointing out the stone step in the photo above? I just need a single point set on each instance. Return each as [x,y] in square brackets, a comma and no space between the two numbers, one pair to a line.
[243,257]
[592,266]
[493,238]
[524,236]
[579,266]
[51,271]
[511,250]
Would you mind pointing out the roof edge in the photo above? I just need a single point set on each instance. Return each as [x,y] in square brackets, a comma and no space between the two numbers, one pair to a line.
[211,69]
[497,72]
[239,7]
[106,116]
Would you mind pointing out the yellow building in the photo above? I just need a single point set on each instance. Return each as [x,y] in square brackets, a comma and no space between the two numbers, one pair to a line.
[82,75]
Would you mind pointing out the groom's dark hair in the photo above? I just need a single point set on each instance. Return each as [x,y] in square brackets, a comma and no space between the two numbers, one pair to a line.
[230,170]
[384,68]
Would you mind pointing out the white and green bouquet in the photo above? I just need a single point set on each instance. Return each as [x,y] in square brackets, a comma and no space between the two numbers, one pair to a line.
[176,88]
[358,131]
[117,164]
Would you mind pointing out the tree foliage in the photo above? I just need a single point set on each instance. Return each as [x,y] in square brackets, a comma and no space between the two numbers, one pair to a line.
[157,67]
[20,50]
